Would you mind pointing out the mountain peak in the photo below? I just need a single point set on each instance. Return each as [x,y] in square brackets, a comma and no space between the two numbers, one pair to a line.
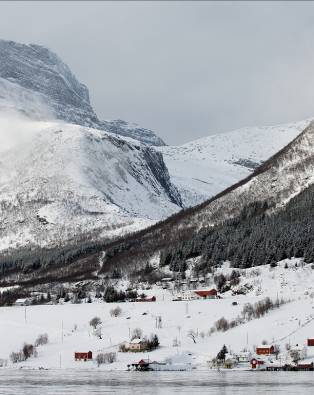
[37,72]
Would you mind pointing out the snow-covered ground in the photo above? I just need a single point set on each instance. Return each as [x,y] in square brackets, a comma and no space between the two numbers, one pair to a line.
[69,331]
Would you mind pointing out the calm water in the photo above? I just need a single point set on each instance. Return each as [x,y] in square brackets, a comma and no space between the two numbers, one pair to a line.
[99,382]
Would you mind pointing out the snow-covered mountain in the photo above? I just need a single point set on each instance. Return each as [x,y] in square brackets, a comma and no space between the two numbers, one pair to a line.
[268,214]
[69,181]
[78,179]
[38,83]
[202,168]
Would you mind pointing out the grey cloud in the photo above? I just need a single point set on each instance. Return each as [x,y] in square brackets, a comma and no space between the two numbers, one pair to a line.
[183,69]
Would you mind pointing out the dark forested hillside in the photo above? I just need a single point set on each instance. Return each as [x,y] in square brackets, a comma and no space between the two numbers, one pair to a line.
[254,238]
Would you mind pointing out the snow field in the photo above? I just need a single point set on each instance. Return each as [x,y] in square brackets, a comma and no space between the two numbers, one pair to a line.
[292,323]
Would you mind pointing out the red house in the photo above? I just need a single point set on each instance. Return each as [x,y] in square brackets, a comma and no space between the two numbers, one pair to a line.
[146,299]
[310,342]
[265,350]
[210,294]
[85,356]
[256,363]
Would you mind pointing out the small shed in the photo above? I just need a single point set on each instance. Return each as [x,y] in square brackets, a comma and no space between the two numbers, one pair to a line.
[230,363]
[146,299]
[310,342]
[257,363]
[22,302]
[83,356]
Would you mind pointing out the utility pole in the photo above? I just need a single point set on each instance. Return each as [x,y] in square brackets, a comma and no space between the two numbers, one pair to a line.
[61,333]
[25,315]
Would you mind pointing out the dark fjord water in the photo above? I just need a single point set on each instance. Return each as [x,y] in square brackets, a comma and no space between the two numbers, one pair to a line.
[74,382]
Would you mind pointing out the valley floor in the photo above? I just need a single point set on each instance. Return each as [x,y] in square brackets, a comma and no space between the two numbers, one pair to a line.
[69,331]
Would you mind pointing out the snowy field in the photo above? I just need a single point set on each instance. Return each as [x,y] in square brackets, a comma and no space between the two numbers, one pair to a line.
[69,330]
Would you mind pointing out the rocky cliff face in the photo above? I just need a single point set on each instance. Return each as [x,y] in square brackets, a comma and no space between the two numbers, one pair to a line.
[39,74]
[132,130]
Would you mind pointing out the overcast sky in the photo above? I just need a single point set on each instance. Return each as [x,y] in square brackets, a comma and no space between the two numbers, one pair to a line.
[183,69]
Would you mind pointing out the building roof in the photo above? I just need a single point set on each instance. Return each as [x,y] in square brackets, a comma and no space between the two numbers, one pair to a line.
[22,300]
[136,341]
[265,346]
[210,292]
[143,361]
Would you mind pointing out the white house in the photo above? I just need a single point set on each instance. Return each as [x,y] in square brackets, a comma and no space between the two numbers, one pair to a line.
[244,357]
[22,302]
[136,345]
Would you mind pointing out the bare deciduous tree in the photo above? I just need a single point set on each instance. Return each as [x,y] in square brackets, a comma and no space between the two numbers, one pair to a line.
[94,322]
[116,311]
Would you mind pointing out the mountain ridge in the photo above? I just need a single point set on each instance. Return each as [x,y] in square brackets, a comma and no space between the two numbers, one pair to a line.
[35,68]
[177,233]
[204,167]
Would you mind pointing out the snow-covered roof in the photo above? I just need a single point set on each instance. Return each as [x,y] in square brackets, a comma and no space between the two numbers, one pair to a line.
[244,353]
[296,348]
[210,292]
[136,341]
[21,300]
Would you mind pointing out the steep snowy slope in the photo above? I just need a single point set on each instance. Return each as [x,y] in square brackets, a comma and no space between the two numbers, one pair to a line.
[202,168]
[268,190]
[282,177]
[38,74]
[15,98]
[71,181]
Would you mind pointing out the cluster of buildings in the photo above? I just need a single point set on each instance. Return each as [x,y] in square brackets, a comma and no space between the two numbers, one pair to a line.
[179,362]
[195,294]
[268,357]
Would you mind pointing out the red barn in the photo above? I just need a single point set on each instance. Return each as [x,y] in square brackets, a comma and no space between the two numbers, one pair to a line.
[85,356]
[310,342]
[265,350]
[210,294]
